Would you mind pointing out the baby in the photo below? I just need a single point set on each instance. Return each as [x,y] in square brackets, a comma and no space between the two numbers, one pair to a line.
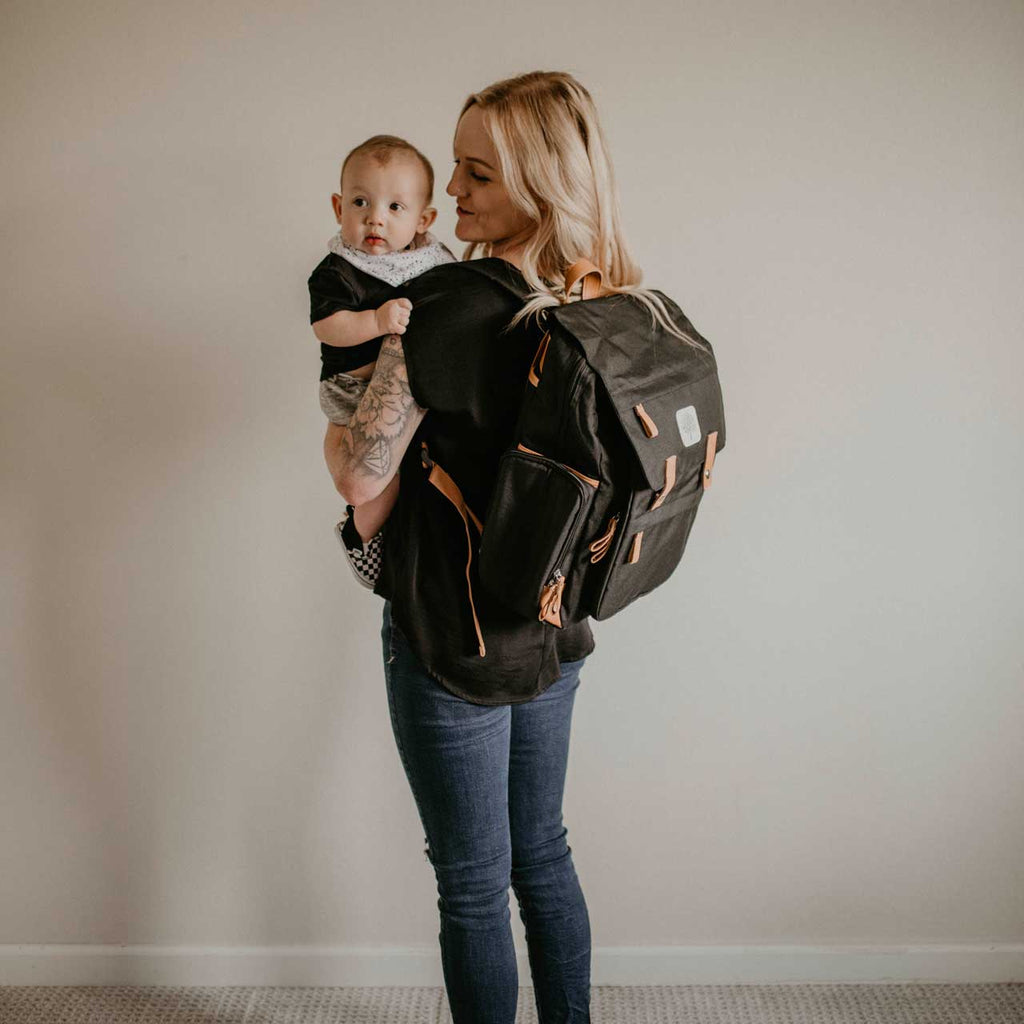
[384,212]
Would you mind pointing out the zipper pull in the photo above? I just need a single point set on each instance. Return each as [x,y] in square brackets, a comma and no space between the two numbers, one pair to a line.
[551,599]
[600,546]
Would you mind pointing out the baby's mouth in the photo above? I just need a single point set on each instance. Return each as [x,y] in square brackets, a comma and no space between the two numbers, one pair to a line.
[374,240]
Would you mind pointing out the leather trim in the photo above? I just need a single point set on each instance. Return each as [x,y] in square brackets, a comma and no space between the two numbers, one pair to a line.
[551,603]
[670,482]
[709,459]
[591,278]
[450,489]
[537,366]
[600,546]
[591,289]
[650,427]
[575,472]
[634,548]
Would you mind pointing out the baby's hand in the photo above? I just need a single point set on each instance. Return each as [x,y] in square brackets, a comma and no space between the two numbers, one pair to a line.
[393,316]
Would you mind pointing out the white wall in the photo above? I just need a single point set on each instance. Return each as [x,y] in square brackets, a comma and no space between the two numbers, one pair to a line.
[810,735]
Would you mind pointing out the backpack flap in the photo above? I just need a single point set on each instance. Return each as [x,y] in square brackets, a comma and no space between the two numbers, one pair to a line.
[665,392]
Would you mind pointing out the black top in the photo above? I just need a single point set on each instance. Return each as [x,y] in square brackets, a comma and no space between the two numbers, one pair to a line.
[336,284]
[471,379]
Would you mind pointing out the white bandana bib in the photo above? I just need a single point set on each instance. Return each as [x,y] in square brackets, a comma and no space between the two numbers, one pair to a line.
[395,267]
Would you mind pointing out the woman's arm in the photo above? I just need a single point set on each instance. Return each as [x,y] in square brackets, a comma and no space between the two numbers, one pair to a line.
[363,457]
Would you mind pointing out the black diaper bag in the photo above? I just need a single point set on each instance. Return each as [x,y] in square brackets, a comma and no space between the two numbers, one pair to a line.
[613,451]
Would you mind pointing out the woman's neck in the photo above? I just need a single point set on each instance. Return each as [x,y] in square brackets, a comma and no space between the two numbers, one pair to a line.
[513,255]
[511,249]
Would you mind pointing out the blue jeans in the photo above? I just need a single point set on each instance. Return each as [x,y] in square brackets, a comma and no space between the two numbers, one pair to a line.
[488,784]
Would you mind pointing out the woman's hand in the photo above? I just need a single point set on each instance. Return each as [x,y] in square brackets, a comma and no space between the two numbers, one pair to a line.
[363,457]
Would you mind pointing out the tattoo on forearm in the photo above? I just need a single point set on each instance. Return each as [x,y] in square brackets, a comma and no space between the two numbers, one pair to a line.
[373,441]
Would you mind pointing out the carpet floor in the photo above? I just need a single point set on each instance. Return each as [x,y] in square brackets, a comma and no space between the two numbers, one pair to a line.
[673,1004]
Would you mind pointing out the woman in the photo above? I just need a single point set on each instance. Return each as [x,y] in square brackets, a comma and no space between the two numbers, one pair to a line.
[481,700]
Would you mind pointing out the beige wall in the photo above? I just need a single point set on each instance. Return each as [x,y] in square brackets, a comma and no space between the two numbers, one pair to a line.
[811,735]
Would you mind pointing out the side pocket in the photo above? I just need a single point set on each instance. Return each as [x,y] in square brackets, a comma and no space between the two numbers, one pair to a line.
[649,547]
[532,524]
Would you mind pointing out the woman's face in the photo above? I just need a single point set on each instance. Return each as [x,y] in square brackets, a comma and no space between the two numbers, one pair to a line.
[485,212]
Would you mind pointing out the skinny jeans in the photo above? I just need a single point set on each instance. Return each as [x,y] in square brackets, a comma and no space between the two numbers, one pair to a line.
[488,783]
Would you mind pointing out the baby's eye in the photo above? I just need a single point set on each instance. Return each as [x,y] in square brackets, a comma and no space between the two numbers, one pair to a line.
[358,202]
[397,206]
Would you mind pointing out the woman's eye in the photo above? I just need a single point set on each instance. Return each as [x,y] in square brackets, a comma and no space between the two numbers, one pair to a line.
[473,174]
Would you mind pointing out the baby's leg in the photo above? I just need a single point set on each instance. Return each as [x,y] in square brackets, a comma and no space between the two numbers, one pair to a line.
[360,528]
[339,396]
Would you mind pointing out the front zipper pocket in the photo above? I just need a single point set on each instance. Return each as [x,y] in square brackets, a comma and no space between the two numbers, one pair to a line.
[534,519]
[649,546]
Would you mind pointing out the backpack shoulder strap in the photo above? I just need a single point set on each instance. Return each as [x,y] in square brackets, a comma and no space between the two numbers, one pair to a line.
[592,278]
[500,272]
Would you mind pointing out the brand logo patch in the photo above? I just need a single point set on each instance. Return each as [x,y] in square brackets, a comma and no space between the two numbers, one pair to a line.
[689,427]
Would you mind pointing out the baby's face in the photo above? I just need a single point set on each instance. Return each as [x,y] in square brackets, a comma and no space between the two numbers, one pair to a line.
[382,208]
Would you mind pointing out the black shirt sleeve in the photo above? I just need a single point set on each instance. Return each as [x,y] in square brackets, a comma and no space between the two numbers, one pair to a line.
[331,289]
[336,285]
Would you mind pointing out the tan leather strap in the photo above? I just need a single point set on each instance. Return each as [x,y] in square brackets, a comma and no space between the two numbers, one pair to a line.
[537,366]
[650,427]
[709,459]
[450,489]
[634,548]
[591,278]
[575,472]
[551,602]
[591,290]
[600,546]
[670,482]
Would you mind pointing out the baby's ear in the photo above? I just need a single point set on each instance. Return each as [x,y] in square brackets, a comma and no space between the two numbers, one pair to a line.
[336,206]
[427,218]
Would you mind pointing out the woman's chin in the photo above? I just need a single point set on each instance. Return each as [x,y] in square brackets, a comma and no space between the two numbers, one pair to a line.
[465,231]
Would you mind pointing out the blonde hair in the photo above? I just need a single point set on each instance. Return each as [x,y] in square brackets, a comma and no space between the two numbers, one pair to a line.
[382,148]
[557,171]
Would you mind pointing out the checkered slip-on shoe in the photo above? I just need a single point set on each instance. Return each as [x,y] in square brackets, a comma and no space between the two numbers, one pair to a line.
[363,558]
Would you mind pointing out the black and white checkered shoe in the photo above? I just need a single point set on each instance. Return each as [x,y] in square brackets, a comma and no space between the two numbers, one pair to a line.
[363,558]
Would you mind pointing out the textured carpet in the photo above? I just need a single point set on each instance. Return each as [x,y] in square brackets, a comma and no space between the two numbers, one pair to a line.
[680,1004]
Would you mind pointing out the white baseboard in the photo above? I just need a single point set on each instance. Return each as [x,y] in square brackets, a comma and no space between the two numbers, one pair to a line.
[326,966]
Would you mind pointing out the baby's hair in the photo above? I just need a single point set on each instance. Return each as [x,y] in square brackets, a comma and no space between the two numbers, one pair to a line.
[382,148]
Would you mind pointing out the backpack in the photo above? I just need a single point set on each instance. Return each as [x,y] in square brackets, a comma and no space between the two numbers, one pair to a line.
[612,452]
